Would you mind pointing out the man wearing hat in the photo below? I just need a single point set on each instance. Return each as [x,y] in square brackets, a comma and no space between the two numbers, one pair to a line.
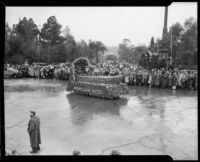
[34,132]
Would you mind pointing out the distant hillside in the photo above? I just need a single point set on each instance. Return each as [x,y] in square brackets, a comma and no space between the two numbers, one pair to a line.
[113,50]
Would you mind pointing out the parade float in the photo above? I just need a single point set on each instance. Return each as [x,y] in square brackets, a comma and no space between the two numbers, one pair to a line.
[110,87]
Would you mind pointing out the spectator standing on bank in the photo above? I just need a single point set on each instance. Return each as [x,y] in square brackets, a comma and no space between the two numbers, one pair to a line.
[170,77]
[174,80]
[165,79]
[131,78]
[127,79]
[34,132]
[150,79]
[156,79]
[196,82]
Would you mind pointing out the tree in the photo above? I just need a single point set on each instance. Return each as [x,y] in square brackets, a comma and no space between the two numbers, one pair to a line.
[27,29]
[7,39]
[112,58]
[189,41]
[152,44]
[96,47]
[84,50]
[183,40]
[50,33]
[50,37]
[15,47]
[189,23]
[175,39]
[125,50]
[130,53]
[21,41]
[70,48]
[126,42]
[24,40]
[139,50]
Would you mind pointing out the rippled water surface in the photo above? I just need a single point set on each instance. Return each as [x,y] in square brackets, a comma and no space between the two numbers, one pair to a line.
[150,121]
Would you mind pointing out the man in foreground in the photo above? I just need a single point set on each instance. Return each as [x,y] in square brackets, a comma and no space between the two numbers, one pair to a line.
[34,132]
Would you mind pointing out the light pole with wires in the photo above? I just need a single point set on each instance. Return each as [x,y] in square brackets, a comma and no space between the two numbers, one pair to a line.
[171,47]
[39,37]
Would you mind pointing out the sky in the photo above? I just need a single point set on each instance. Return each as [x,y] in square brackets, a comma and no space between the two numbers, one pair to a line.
[108,24]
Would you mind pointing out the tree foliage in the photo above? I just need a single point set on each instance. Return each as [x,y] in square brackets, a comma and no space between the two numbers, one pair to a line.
[27,29]
[20,41]
[96,47]
[128,53]
[112,58]
[152,45]
[52,44]
[182,40]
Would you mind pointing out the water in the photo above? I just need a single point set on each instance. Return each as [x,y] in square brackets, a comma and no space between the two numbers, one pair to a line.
[149,122]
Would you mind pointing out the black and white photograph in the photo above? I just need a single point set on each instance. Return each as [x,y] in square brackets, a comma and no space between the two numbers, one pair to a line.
[101,80]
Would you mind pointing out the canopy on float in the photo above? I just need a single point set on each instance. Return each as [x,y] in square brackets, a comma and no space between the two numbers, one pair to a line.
[83,62]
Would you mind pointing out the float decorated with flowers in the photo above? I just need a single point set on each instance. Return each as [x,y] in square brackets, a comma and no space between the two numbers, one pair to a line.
[110,87]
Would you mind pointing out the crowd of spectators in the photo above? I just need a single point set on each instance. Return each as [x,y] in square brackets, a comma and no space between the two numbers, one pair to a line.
[133,75]
[49,72]
[160,78]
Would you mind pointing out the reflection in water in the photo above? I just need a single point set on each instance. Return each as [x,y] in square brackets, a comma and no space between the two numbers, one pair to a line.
[152,100]
[26,88]
[154,105]
[46,88]
[160,92]
[84,108]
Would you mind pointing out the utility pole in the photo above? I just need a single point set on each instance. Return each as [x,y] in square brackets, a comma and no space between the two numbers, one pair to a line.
[38,42]
[49,50]
[171,46]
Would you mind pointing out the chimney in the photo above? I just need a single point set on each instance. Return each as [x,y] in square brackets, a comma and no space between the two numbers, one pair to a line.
[165,25]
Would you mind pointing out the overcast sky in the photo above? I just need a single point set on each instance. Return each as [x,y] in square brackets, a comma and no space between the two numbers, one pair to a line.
[108,24]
